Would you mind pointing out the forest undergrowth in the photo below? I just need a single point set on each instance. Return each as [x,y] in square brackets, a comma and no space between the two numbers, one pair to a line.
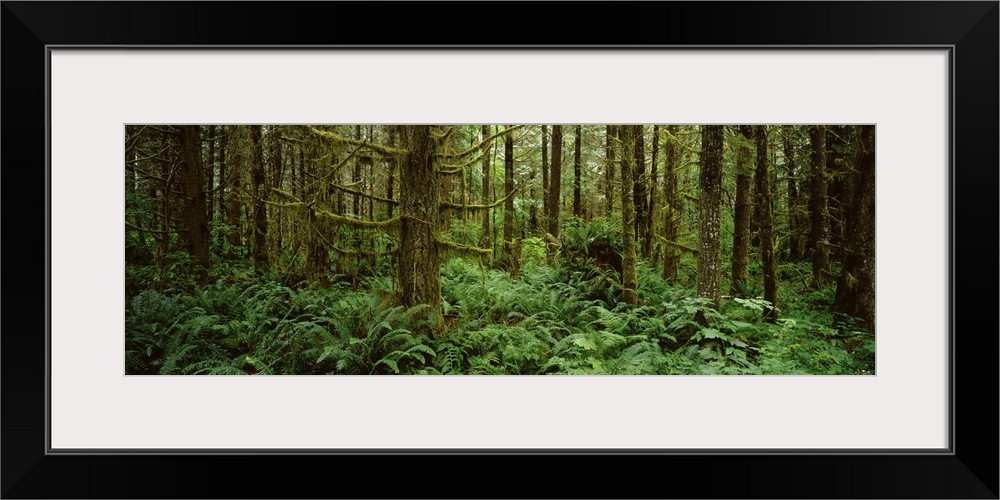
[554,319]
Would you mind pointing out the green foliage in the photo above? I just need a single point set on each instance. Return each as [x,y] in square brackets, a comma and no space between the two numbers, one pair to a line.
[546,322]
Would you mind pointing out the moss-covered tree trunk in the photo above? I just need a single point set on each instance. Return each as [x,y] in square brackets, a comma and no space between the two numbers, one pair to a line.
[710,182]
[640,189]
[630,282]
[195,220]
[839,179]
[234,205]
[259,210]
[277,177]
[609,170]
[794,246]
[856,284]
[545,175]
[555,181]
[671,207]
[487,199]
[765,223]
[508,205]
[819,236]
[741,216]
[653,178]
[419,205]
[210,174]
[577,207]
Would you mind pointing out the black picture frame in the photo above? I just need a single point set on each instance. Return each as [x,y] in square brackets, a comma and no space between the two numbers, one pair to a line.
[970,470]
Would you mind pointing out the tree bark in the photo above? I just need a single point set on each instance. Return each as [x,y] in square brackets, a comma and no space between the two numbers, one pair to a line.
[765,222]
[794,248]
[508,204]
[819,237]
[609,169]
[856,284]
[710,182]
[671,208]
[234,209]
[195,218]
[741,222]
[419,200]
[555,181]
[653,178]
[259,210]
[577,208]
[630,283]
[640,189]
[487,199]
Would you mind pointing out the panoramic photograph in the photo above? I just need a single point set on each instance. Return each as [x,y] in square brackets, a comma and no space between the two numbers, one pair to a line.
[543,249]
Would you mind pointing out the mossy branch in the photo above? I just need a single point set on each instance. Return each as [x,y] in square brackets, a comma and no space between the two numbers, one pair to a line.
[479,147]
[678,245]
[456,206]
[337,219]
[370,145]
[465,248]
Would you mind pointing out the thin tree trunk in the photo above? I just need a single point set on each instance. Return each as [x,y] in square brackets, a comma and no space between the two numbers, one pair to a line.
[819,237]
[555,181]
[487,199]
[653,178]
[672,209]
[234,207]
[259,210]
[794,249]
[508,205]
[609,169]
[639,189]
[577,208]
[741,223]
[710,181]
[630,282]
[769,262]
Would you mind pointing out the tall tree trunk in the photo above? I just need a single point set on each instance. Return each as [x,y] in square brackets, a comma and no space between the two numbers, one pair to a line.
[630,282]
[545,173]
[741,223]
[487,199]
[555,180]
[819,237]
[223,179]
[356,176]
[259,191]
[508,204]
[318,255]
[419,204]
[577,208]
[393,166]
[653,178]
[277,174]
[672,209]
[234,207]
[856,284]
[609,169]
[210,191]
[838,186]
[794,249]
[639,189]
[762,192]
[195,219]
[710,182]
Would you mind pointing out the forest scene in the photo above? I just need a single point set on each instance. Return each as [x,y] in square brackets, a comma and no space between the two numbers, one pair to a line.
[499,249]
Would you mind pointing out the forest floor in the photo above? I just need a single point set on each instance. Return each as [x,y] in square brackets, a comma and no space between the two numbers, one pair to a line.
[562,319]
